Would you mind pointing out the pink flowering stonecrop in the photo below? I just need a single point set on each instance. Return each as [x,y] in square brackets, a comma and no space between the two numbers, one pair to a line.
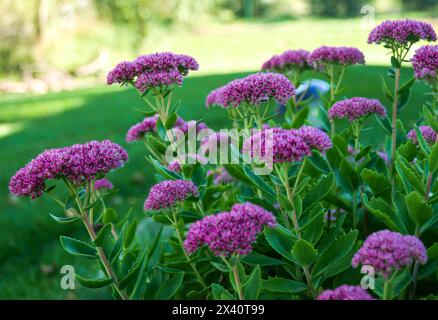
[221,176]
[282,144]
[103,184]
[137,131]
[78,163]
[167,194]
[253,90]
[153,71]
[288,61]
[345,292]
[428,134]
[425,64]
[229,233]
[315,138]
[342,56]
[388,251]
[356,108]
[401,32]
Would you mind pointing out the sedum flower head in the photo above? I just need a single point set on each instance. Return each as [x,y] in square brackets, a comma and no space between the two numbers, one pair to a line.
[137,131]
[288,61]
[345,292]
[168,193]
[78,163]
[153,71]
[229,233]
[102,184]
[315,138]
[256,89]
[401,32]
[428,134]
[425,63]
[343,56]
[221,176]
[356,108]
[282,144]
[388,251]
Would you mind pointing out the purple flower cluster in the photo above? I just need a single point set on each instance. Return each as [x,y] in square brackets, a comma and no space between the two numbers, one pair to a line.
[387,251]
[76,163]
[221,176]
[356,108]
[166,194]
[315,138]
[287,61]
[345,292]
[149,124]
[153,70]
[425,63]
[137,131]
[428,134]
[229,233]
[254,90]
[343,56]
[282,144]
[102,184]
[174,166]
[402,32]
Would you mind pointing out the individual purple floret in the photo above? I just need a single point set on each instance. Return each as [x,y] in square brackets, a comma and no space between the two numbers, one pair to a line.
[425,63]
[256,89]
[168,193]
[174,166]
[282,144]
[229,233]
[388,251]
[428,134]
[103,184]
[315,138]
[137,131]
[345,292]
[288,61]
[356,108]
[402,32]
[343,56]
[76,163]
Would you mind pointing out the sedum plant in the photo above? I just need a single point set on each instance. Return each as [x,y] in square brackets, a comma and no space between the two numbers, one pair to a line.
[289,209]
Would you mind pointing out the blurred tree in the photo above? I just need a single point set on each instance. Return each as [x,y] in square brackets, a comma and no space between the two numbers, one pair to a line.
[419,4]
[336,8]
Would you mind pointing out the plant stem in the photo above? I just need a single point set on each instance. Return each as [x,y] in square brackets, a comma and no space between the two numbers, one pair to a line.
[394,130]
[181,242]
[107,266]
[309,281]
[237,280]
[385,289]
[428,186]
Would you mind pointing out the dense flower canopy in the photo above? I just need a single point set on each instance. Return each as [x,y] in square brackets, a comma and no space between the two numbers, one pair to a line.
[343,56]
[76,163]
[388,251]
[229,233]
[402,32]
[356,108]
[155,70]
[168,193]
[287,61]
[425,63]
[428,134]
[345,292]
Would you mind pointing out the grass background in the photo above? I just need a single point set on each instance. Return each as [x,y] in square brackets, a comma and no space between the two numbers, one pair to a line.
[30,253]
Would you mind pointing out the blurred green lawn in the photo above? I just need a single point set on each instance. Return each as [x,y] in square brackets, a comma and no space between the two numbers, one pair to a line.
[30,254]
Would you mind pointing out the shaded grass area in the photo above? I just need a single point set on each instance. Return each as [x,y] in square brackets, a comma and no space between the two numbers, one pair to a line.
[30,253]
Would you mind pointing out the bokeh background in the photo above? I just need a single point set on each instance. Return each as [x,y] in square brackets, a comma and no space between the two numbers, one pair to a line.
[54,55]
